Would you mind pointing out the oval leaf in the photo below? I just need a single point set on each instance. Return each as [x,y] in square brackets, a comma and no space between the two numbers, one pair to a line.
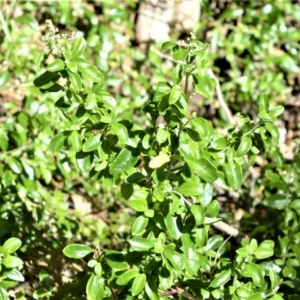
[234,174]
[11,245]
[77,251]
[138,284]
[205,169]
[124,161]
[159,160]
[92,143]
[221,279]
[78,48]
[92,73]
[57,65]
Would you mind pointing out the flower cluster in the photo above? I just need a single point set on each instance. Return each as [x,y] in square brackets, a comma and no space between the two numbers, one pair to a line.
[57,43]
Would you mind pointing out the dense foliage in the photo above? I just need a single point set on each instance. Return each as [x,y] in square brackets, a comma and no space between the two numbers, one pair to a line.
[121,167]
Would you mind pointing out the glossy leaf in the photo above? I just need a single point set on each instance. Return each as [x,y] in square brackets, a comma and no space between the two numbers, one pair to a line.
[139,225]
[204,85]
[138,284]
[57,65]
[140,205]
[77,251]
[78,48]
[188,246]
[265,250]
[15,275]
[171,223]
[244,146]
[121,131]
[58,141]
[92,73]
[180,54]
[11,261]
[234,174]
[273,130]
[221,279]
[124,161]
[174,95]
[254,272]
[92,143]
[263,103]
[95,287]
[141,244]
[128,275]
[11,245]
[75,81]
[202,167]
[198,213]
[159,160]
[75,140]
[190,188]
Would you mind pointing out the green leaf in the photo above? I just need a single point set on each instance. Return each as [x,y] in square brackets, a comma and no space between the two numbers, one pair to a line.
[75,81]
[116,260]
[172,226]
[4,78]
[190,188]
[213,209]
[78,48]
[221,279]
[125,277]
[92,73]
[140,205]
[75,140]
[177,74]
[265,250]
[263,103]
[124,161]
[92,143]
[14,275]
[95,287]
[173,257]
[77,251]
[188,246]
[46,80]
[256,296]
[159,160]
[198,213]
[121,131]
[84,160]
[139,225]
[14,165]
[180,55]
[151,290]
[58,141]
[72,66]
[162,88]
[57,65]
[276,111]
[90,102]
[11,261]
[11,245]
[106,99]
[3,294]
[138,284]
[168,45]
[127,190]
[244,146]
[202,167]
[254,272]
[273,130]
[204,85]
[141,244]
[234,174]
[174,95]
